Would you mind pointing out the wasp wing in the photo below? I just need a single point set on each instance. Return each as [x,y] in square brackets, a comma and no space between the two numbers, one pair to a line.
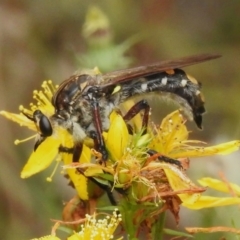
[155,78]
[126,74]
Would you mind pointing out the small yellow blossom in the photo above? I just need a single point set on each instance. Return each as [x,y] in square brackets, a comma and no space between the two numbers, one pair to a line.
[48,150]
[172,140]
[98,229]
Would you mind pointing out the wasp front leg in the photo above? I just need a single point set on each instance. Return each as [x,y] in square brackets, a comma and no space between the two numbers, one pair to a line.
[96,135]
[76,152]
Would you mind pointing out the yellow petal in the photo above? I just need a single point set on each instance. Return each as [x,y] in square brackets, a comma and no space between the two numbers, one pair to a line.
[207,201]
[20,119]
[179,181]
[75,236]
[80,182]
[171,134]
[93,171]
[42,157]
[222,149]
[220,185]
[117,137]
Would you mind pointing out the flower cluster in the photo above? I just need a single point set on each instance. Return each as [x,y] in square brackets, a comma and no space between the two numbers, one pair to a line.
[148,171]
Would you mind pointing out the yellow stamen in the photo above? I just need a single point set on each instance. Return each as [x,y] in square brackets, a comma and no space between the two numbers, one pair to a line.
[58,160]
[25,110]
[45,86]
[44,98]
[17,141]
[40,98]
[49,88]
[33,107]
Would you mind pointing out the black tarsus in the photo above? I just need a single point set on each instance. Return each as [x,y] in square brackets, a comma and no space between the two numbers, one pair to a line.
[165,158]
[107,189]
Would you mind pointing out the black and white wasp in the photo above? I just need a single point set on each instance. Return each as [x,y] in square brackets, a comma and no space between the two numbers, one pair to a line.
[84,102]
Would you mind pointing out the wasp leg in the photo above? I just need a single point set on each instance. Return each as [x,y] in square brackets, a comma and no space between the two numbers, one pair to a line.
[76,151]
[99,145]
[65,149]
[135,109]
[107,189]
[28,116]
[97,135]
[38,142]
[165,158]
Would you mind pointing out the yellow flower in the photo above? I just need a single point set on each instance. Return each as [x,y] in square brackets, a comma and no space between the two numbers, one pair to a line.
[98,229]
[48,150]
[172,140]
[150,179]
[95,229]
[130,166]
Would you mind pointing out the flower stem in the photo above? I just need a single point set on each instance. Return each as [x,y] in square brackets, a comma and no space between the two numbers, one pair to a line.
[157,230]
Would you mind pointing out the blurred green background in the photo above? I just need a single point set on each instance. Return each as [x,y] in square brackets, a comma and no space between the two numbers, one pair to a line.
[42,39]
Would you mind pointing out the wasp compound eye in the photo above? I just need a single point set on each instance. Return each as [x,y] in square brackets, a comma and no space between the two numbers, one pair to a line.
[43,123]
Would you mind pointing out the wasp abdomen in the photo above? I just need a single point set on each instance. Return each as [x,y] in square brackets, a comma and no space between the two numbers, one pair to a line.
[174,84]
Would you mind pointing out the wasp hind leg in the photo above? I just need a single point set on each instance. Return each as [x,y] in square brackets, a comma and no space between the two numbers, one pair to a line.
[134,110]
[163,158]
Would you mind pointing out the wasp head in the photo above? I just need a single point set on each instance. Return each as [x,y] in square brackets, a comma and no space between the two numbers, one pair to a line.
[43,125]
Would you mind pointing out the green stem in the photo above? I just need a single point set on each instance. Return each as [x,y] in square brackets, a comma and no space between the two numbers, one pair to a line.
[131,230]
[157,231]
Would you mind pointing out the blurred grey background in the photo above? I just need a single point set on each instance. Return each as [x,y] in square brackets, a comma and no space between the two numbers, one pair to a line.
[40,40]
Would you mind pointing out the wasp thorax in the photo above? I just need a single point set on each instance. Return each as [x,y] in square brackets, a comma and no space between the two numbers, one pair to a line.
[69,91]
